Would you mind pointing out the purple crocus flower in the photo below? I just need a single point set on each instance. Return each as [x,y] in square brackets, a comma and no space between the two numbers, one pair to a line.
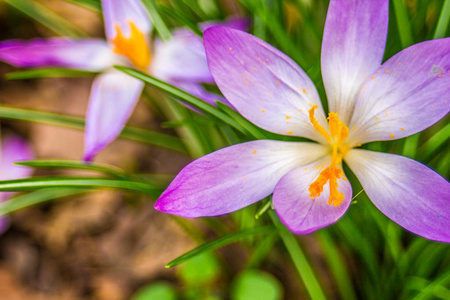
[13,149]
[115,94]
[367,101]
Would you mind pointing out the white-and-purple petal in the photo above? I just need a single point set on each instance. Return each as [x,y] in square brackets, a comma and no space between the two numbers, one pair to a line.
[353,45]
[89,54]
[234,177]
[408,93]
[297,210]
[409,193]
[112,100]
[121,13]
[262,83]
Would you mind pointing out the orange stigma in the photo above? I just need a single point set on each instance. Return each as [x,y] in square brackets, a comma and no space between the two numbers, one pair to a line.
[336,138]
[136,48]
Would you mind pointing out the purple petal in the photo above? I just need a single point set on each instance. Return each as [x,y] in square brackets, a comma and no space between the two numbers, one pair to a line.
[297,210]
[112,100]
[409,193]
[234,177]
[85,54]
[182,58]
[353,46]
[409,93]
[14,149]
[262,83]
[120,13]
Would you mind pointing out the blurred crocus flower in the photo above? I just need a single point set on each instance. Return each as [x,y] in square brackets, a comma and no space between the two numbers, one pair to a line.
[13,149]
[367,102]
[181,61]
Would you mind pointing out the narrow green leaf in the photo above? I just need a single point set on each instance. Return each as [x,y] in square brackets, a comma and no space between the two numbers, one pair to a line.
[82,182]
[403,24]
[220,242]
[158,22]
[298,257]
[176,14]
[94,5]
[444,19]
[439,139]
[183,96]
[411,145]
[47,73]
[37,197]
[75,164]
[47,17]
[336,263]
[132,133]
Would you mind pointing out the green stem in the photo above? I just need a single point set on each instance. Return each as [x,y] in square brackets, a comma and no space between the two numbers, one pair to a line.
[298,257]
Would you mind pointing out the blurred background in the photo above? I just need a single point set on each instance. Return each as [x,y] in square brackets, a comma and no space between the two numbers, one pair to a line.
[111,244]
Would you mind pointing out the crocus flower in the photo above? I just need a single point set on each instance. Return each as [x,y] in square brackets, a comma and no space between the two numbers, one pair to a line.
[181,61]
[13,149]
[367,102]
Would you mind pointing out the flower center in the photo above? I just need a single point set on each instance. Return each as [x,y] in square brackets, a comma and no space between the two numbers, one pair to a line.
[136,48]
[338,132]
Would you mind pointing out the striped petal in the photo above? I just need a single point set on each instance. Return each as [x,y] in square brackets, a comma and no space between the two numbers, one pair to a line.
[408,93]
[353,45]
[84,54]
[112,100]
[409,193]
[234,177]
[262,83]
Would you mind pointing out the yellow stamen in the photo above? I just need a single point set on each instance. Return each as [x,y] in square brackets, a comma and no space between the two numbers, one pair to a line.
[336,138]
[136,48]
[316,124]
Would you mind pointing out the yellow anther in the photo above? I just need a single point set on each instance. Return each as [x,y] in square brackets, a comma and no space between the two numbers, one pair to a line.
[136,48]
[336,138]
[316,124]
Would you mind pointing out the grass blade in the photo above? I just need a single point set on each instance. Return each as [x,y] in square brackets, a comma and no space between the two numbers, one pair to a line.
[403,24]
[444,19]
[47,18]
[81,182]
[300,261]
[183,96]
[37,197]
[74,164]
[132,133]
[47,73]
[157,21]
[220,242]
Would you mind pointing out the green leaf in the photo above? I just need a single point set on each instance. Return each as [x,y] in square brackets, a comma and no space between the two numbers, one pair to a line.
[47,17]
[81,182]
[94,5]
[298,257]
[157,290]
[37,197]
[183,96]
[75,164]
[220,242]
[132,133]
[256,284]
[444,19]
[439,139]
[158,22]
[176,14]
[403,24]
[47,73]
